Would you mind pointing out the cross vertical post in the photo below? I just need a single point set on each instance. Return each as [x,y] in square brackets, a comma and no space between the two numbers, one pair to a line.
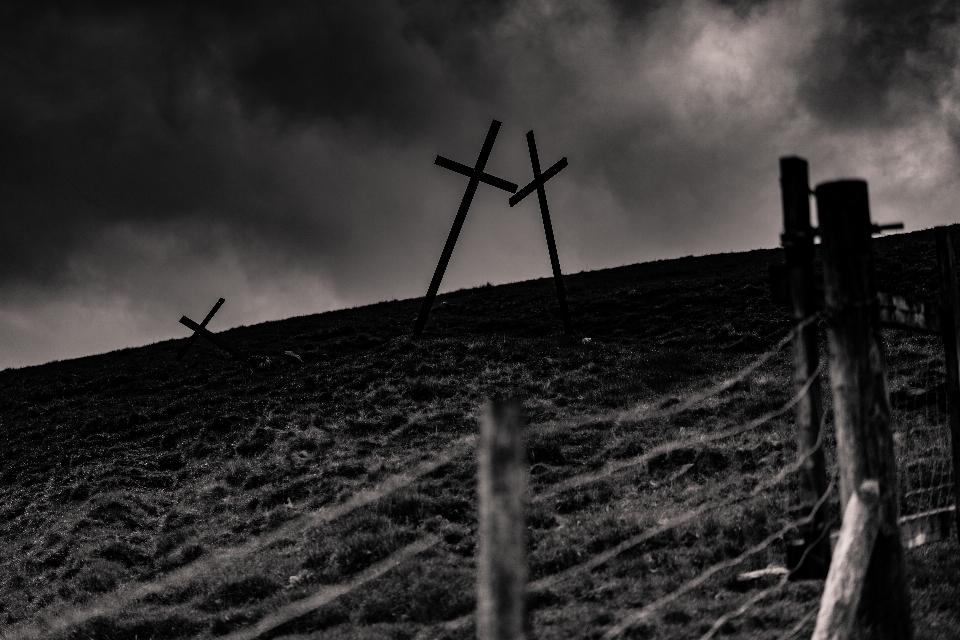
[539,179]
[476,175]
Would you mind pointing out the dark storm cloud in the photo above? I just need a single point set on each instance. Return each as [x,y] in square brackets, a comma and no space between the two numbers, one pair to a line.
[112,113]
[155,156]
[876,60]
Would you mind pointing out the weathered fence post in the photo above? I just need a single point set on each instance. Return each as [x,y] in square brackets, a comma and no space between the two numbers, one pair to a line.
[949,325]
[502,564]
[861,403]
[844,588]
[802,300]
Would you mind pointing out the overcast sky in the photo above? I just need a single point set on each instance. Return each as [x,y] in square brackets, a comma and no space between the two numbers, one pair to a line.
[157,156]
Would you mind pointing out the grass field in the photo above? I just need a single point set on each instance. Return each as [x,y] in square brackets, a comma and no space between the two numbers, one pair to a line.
[130,468]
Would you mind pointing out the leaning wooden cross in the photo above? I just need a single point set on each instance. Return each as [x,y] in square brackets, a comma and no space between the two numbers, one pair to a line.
[193,336]
[539,180]
[476,175]
[201,330]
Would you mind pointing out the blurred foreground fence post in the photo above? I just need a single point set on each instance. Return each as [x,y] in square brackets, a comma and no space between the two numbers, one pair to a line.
[861,403]
[802,300]
[949,325]
[841,595]
[502,563]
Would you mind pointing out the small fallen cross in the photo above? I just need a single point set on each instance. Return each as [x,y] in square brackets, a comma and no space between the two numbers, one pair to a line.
[476,175]
[201,329]
[193,337]
[539,180]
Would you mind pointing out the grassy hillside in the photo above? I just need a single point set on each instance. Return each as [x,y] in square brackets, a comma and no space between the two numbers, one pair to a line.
[129,468]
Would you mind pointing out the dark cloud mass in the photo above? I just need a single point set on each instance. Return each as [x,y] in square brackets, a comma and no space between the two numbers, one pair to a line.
[873,52]
[157,155]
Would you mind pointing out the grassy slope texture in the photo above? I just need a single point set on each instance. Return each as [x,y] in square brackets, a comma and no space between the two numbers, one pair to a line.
[130,469]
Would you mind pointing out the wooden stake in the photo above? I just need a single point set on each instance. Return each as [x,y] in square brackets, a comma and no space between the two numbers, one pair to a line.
[802,298]
[860,399]
[950,325]
[502,564]
[842,592]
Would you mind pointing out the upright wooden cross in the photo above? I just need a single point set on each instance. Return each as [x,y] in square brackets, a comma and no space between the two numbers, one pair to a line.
[539,180]
[476,175]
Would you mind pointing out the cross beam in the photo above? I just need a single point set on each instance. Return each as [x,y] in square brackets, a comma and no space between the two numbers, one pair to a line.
[220,342]
[193,337]
[476,175]
[539,180]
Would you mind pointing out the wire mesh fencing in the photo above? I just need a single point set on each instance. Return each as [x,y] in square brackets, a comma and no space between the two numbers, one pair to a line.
[922,438]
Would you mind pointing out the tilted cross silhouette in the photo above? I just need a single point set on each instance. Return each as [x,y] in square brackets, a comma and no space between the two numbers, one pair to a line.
[476,175]
[539,180]
[192,338]
[201,330]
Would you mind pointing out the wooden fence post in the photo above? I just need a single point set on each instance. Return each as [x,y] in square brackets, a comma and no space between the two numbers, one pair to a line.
[861,403]
[802,300]
[502,563]
[842,592]
[949,325]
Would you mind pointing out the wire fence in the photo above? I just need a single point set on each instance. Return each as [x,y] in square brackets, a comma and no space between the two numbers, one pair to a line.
[918,396]
[713,502]
[122,599]
[923,456]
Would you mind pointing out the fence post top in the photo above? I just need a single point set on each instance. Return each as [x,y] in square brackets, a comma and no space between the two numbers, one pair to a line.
[792,160]
[846,183]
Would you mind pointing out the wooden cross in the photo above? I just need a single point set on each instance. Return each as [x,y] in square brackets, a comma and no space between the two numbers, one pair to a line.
[201,330]
[476,175]
[539,180]
[193,337]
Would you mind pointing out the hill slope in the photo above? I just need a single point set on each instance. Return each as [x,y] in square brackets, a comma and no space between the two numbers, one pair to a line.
[122,468]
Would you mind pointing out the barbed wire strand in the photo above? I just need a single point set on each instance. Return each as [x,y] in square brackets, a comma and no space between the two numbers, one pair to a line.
[608,555]
[118,600]
[121,599]
[638,413]
[801,623]
[299,608]
[672,523]
[742,609]
[635,414]
[613,467]
[644,613]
